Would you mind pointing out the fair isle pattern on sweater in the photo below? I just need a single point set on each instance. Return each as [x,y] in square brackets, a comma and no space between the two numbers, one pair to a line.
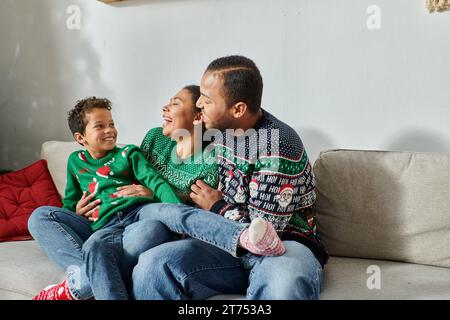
[267,174]
[159,150]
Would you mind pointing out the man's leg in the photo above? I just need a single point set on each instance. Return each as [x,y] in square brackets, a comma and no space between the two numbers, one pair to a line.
[61,234]
[187,269]
[295,275]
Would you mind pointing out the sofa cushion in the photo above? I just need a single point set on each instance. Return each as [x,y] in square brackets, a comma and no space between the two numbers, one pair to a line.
[20,193]
[25,270]
[385,205]
[56,153]
[348,279]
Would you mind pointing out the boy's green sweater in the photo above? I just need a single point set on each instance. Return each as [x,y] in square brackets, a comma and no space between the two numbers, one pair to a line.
[120,167]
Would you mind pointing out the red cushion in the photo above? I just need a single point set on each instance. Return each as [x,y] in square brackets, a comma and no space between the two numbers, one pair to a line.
[20,193]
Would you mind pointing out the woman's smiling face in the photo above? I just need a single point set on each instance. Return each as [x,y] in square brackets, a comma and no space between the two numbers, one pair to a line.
[179,113]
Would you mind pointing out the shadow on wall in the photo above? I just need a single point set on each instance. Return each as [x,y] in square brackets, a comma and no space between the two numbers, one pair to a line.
[420,140]
[315,141]
[43,65]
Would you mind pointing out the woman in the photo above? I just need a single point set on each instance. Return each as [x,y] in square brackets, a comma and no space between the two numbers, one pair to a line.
[174,153]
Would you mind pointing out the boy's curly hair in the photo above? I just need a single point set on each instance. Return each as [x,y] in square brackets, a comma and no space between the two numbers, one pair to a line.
[76,116]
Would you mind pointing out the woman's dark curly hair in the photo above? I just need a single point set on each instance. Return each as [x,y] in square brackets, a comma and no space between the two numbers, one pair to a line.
[76,116]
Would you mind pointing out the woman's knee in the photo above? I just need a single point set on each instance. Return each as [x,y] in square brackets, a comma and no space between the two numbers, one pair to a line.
[96,243]
[144,235]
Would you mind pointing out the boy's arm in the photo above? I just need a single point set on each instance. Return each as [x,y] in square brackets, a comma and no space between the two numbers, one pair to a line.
[73,191]
[145,173]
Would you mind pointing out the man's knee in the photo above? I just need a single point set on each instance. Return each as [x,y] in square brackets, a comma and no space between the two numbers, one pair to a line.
[295,275]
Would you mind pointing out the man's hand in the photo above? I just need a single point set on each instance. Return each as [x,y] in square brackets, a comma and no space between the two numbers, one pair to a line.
[86,208]
[134,190]
[204,196]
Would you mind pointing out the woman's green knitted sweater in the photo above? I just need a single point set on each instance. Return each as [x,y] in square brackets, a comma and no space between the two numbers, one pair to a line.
[181,174]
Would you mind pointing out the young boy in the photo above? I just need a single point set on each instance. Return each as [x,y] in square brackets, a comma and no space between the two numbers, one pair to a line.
[100,170]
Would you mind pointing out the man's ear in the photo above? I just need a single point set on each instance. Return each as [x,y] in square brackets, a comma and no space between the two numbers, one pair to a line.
[239,109]
[79,138]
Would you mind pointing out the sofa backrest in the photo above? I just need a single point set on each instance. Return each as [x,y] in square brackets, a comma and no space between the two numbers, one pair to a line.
[57,153]
[385,205]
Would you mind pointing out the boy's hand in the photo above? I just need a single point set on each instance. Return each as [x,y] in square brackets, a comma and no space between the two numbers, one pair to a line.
[85,207]
[204,196]
[134,190]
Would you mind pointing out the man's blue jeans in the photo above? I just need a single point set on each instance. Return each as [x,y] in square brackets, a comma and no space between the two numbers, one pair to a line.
[110,253]
[193,269]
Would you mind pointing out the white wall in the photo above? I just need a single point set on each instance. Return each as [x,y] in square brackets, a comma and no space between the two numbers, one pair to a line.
[339,84]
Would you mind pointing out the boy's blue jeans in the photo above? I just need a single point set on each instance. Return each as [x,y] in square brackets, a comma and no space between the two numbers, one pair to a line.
[106,256]
[97,262]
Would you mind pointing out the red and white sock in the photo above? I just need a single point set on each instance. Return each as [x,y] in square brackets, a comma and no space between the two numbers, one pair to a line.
[56,292]
[262,239]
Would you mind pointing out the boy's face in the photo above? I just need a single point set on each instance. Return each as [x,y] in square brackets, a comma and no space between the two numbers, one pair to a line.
[100,135]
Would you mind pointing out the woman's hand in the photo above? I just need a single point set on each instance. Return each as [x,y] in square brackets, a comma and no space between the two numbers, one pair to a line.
[134,190]
[204,196]
[86,208]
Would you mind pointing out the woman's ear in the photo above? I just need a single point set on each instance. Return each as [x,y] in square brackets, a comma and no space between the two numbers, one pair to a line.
[197,118]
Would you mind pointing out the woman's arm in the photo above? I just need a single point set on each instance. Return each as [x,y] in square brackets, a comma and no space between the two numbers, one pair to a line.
[134,190]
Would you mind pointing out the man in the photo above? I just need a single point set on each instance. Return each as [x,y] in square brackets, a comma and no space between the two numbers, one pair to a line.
[264,172]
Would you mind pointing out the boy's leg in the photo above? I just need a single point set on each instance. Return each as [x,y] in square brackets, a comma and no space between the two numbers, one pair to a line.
[197,223]
[61,234]
[139,237]
[102,254]
[187,269]
[296,275]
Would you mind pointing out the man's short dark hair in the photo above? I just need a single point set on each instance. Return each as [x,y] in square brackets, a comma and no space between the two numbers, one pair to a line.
[77,116]
[242,80]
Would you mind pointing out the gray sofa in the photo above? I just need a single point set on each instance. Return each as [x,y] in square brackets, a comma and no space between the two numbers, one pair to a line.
[383,216]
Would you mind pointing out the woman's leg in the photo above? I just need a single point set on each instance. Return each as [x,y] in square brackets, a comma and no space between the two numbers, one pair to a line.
[296,275]
[139,237]
[187,269]
[61,234]
[197,223]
